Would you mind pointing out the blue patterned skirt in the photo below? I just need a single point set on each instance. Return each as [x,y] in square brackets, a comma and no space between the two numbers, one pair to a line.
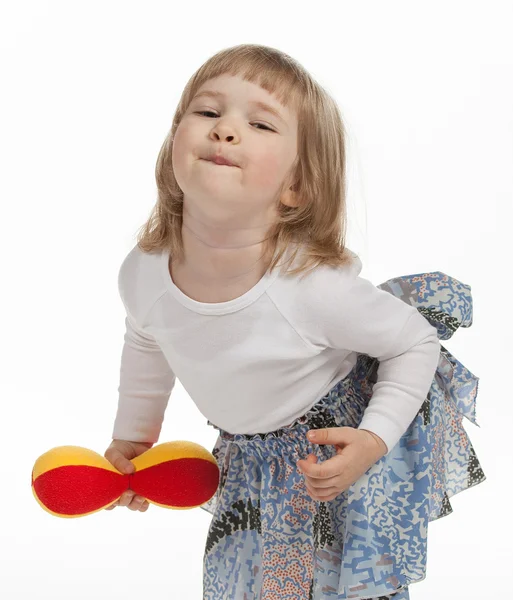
[269,540]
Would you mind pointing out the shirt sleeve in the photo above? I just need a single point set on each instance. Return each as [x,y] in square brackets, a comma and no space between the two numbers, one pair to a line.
[363,318]
[146,382]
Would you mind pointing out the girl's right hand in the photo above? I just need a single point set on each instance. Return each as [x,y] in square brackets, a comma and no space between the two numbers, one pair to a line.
[119,454]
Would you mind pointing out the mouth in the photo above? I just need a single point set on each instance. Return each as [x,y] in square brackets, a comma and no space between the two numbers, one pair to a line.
[220,163]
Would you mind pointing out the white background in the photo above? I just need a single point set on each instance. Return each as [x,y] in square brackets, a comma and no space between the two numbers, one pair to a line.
[89,92]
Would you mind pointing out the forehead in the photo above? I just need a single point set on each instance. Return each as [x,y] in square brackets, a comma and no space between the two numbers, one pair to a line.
[226,86]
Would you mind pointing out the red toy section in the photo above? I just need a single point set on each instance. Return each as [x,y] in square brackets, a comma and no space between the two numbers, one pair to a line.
[71,481]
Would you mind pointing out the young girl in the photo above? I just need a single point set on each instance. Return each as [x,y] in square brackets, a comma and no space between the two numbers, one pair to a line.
[242,287]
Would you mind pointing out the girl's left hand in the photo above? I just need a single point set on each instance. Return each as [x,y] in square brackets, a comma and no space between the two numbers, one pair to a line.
[357,451]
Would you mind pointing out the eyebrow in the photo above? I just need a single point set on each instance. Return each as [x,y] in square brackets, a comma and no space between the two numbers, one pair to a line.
[259,104]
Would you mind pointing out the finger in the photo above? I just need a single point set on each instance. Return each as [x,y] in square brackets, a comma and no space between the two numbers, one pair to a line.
[117,460]
[318,479]
[137,502]
[322,494]
[319,486]
[310,459]
[145,506]
[314,494]
[311,493]
[333,467]
[310,468]
[126,498]
[313,481]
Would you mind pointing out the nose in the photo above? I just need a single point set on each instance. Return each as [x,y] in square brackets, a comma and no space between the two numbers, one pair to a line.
[222,131]
[227,137]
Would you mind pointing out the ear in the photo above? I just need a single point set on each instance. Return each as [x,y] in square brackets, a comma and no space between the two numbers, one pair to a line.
[290,197]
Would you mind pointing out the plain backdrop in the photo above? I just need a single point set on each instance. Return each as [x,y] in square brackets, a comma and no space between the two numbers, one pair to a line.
[89,93]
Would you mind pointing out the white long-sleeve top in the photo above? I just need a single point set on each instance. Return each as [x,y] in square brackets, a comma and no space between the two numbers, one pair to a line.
[256,363]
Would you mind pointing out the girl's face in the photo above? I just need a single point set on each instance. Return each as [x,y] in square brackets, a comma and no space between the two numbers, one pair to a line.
[262,144]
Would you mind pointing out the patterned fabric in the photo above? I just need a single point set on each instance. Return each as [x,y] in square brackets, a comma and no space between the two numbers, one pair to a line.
[270,540]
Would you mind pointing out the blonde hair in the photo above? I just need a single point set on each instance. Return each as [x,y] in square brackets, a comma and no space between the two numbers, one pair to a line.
[317,225]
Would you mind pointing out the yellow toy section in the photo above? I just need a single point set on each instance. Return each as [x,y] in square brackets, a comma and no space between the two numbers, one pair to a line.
[72,481]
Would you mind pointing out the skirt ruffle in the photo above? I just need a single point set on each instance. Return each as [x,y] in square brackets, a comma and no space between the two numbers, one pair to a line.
[268,539]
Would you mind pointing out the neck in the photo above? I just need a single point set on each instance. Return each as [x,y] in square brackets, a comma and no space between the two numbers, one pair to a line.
[223,252]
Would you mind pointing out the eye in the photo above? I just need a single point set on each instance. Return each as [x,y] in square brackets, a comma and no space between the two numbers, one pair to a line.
[203,112]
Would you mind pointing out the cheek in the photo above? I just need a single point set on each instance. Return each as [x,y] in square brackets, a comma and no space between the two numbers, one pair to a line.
[268,171]
[179,150]
[184,153]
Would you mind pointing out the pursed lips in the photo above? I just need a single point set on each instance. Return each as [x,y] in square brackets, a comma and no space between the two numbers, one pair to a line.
[219,163]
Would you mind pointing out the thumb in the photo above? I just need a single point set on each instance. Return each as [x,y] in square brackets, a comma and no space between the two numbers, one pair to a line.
[120,462]
[331,435]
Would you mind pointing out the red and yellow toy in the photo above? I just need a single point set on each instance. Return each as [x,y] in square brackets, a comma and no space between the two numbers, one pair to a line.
[71,481]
